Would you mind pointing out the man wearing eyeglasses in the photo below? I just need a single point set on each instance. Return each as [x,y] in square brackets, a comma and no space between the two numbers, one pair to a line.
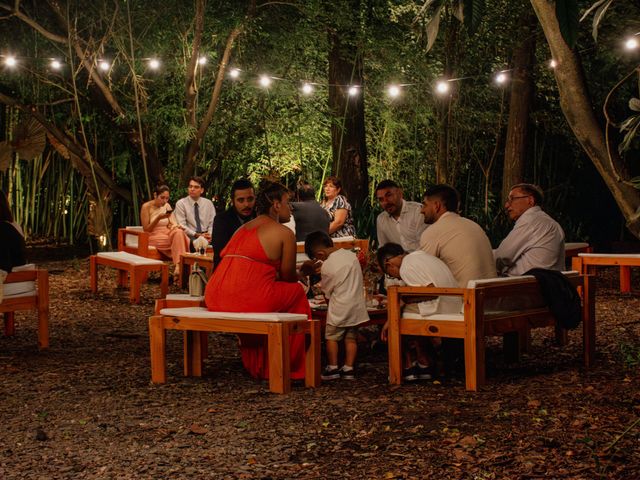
[536,241]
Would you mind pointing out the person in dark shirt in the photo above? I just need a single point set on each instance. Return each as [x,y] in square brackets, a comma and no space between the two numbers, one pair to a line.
[308,214]
[12,252]
[243,199]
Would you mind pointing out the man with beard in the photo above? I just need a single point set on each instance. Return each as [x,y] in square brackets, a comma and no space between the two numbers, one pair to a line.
[401,221]
[459,242]
[243,199]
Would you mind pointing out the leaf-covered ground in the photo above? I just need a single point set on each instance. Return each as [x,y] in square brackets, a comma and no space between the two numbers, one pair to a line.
[86,408]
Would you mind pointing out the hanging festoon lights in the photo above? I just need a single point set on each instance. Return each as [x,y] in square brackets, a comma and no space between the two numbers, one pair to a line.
[501,78]
[553,63]
[234,73]
[265,81]
[154,63]
[393,91]
[202,60]
[10,61]
[104,65]
[307,88]
[55,64]
[443,87]
[353,91]
[632,43]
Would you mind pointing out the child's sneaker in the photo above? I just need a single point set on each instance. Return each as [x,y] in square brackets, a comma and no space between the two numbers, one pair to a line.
[422,373]
[348,374]
[408,375]
[330,373]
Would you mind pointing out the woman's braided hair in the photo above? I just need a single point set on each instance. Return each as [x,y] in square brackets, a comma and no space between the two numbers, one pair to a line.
[268,193]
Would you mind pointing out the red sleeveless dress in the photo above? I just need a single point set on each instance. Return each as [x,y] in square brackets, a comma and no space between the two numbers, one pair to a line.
[245,281]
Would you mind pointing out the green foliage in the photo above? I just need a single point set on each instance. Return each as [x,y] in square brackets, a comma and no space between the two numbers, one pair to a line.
[567,14]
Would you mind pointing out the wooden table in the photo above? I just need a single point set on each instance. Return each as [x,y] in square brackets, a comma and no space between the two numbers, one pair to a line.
[586,263]
[187,259]
[377,316]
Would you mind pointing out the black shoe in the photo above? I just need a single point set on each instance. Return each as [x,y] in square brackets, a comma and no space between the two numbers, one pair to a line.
[422,373]
[408,375]
[348,375]
[330,373]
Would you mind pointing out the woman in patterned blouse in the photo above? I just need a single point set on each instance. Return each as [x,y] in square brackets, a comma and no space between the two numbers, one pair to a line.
[336,204]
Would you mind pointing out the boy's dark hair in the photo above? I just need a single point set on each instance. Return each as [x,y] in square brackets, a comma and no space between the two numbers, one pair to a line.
[448,195]
[305,192]
[198,180]
[530,189]
[388,250]
[386,184]
[316,239]
[241,184]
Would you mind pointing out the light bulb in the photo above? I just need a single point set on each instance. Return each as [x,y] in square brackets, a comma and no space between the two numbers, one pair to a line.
[10,61]
[55,65]
[202,60]
[307,89]
[265,81]
[353,91]
[501,78]
[154,64]
[104,65]
[443,87]
[631,43]
[234,73]
[553,63]
[393,91]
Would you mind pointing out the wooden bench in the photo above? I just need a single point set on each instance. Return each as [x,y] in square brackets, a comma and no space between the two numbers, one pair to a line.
[479,319]
[587,262]
[27,290]
[135,240]
[196,321]
[131,267]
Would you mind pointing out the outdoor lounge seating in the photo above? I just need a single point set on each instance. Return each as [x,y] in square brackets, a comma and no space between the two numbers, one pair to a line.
[195,321]
[479,320]
[130,267]
[27,288]
[135,240]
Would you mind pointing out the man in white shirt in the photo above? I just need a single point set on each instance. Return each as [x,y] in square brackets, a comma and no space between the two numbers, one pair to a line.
[418,269]
[195,213]
[536,241]
[401,222]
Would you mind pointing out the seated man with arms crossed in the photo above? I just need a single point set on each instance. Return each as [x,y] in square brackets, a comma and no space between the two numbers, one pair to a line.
[418,269]
[243,200]
[536,241]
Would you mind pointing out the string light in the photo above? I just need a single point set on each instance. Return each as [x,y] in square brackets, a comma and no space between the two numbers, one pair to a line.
[353,91]
[553,63]
[501,77]
[631,43]
[104,65]
[443,87]
[202,60]
[154,64]
[265,81]
[307,88]
[55,64]
[393,91]
[10,61]
[234,73]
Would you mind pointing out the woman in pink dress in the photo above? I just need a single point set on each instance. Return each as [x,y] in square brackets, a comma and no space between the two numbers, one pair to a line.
[257,273]
[164,232]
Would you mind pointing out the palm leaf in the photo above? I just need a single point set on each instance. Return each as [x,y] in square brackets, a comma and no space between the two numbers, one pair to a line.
[432,28]
[29,139]
[6,155]
[473,13]
[567,14]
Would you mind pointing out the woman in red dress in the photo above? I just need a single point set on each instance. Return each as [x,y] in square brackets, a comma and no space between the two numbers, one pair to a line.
[257,273]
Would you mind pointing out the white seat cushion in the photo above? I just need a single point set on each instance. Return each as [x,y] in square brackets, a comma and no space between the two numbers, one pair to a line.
[129,258]
[131,241]
[20,289]
[201,312]
[183,296]
[612,255]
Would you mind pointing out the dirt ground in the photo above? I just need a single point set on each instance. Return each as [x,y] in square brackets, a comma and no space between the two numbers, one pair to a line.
[85,408]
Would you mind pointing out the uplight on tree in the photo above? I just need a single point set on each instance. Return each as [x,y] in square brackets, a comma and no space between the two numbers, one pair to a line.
[307,89]
[393,91]
[443,87]
[234,73]
[104,65]
[265,81]
[353,91]
[631,43]
[154,64]
[10,61]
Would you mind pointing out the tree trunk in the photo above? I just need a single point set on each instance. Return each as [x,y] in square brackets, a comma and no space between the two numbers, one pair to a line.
[577,108]
[522,86]
[348,142]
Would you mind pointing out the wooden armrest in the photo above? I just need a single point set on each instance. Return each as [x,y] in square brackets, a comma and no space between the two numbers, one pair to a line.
[143,240]
[435,291]
[25,276]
